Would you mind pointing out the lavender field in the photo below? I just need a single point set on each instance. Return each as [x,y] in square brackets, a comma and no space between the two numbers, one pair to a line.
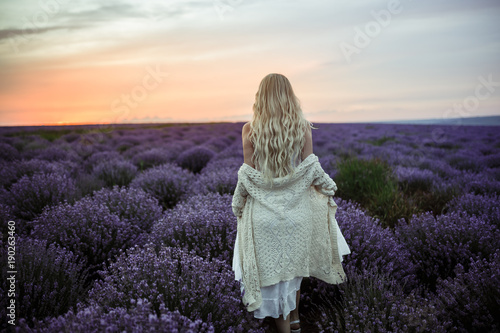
[130,228]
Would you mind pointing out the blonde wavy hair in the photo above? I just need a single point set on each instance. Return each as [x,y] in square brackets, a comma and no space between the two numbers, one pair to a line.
[278,127]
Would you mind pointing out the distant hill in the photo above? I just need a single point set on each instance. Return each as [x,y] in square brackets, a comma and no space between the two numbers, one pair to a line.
[471,121]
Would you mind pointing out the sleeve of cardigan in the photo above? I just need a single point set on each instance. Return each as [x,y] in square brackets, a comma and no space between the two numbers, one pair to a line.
[239,198]
[322,181]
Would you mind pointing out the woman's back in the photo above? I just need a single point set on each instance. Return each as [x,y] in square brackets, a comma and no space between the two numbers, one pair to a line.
[285,228]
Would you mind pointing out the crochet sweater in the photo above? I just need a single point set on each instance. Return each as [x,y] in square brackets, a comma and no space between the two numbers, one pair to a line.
[287,229]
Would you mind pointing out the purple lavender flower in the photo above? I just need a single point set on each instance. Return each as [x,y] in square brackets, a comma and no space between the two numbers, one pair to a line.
[218,143]
[195,158]
[492,160]
[372,245]
[132,205]
[373,301]
[88,229]
[477,183]
[138,319]
[7,152]
[204,224]
[99,157]
[55,153]
[222,180]
[198,289]
[11,172]
[115,172]
[471,299]
[6,215]
[7,174]
[413,179]
[438,244]
[329,163]
[167,182]
[153,157]
[49,280]
[30,195]
[483,206]
[466,160]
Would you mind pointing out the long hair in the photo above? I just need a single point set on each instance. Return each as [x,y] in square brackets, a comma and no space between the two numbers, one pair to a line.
[277,128]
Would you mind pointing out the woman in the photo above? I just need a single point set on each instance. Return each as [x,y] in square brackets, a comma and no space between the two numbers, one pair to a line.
[286,214]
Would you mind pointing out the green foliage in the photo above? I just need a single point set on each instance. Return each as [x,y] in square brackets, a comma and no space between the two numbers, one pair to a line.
[48,134]
[381,141]
[443,145]
[371,183]
[426,199]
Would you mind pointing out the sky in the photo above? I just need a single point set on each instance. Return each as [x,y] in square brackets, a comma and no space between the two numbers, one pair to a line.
[123,61]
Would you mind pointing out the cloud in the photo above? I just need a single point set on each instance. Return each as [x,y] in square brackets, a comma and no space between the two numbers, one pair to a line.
[426,59]
[16,33]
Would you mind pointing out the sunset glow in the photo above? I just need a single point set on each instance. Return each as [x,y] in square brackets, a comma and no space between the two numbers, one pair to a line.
[84,62]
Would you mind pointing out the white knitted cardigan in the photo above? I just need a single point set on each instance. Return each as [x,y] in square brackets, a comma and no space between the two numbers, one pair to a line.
[287,229]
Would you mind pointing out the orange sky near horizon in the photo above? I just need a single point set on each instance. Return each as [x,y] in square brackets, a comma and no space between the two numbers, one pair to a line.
[175,61]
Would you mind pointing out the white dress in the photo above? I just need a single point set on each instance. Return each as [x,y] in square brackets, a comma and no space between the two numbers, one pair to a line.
[280,298]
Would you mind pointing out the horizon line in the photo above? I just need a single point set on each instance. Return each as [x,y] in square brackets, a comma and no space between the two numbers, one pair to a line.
[241,121]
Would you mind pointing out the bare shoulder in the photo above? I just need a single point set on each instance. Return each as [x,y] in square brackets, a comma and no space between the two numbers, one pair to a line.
[247,145]
[308,145]
[245,132]
[308,133]
[246,128]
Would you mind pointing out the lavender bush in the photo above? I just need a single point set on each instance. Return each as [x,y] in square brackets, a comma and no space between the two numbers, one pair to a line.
[492,160]
[132,205]
[195,158]
[204,224]
[88,229]
[30,146]
[13,171]
[30,195]
[483,206]
[414,179]
[437,244]
[138,319]
[7,152]
[372,301]
[153,157]
[465,160]
[54,153]
[471,300]
[168,183]
[99,157]
[220,180]
[6,215]
[7,174]
[87,183]
[115,172]
[218,143]
[477,183]
[373,246]
[49,280]
[198,289]
[373,249]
